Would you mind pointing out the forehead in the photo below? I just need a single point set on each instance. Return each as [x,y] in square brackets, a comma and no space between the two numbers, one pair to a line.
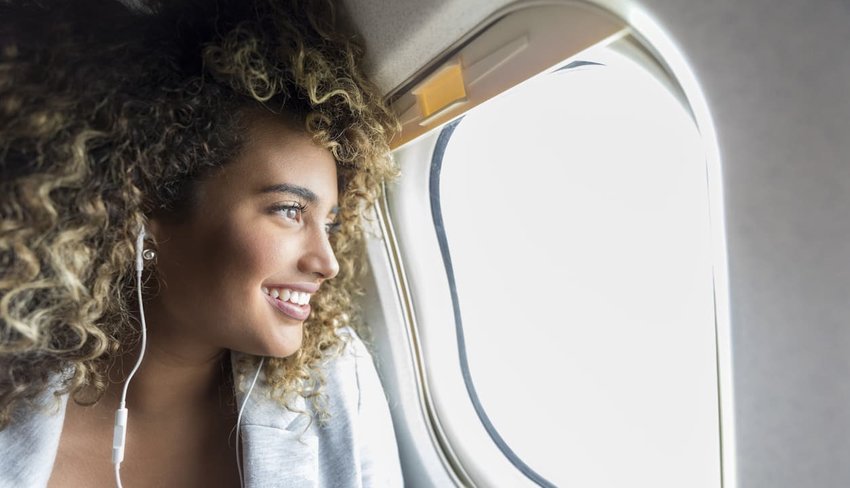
[279,152]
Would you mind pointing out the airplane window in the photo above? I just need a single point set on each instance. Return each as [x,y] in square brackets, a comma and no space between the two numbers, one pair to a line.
[573,219]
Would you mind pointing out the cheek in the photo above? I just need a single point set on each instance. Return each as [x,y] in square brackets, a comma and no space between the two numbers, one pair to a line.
[250,255]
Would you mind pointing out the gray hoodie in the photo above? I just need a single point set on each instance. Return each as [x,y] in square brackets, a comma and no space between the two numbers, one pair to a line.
[355,448]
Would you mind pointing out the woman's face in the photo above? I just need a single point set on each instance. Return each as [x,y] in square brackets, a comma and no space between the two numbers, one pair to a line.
[257,236]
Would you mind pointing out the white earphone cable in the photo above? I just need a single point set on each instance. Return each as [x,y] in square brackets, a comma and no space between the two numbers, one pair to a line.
[119,435]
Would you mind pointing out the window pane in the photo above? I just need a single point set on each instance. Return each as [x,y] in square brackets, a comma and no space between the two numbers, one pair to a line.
[576,213]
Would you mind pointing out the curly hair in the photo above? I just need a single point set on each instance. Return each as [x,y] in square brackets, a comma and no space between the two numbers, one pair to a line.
[110,116]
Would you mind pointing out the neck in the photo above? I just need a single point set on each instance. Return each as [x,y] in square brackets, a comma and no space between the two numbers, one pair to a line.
[166,382]
[177,375]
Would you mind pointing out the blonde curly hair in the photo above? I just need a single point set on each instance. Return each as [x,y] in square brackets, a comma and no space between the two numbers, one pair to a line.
[109,116]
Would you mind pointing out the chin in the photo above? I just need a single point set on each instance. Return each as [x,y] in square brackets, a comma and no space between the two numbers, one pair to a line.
[284,344]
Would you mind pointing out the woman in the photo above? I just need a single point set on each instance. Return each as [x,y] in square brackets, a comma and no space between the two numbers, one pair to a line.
[228,148]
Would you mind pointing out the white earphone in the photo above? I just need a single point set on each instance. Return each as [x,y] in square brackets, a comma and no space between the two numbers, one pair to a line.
[119,435]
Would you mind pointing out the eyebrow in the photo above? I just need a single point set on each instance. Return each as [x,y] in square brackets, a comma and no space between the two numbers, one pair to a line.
[303,192]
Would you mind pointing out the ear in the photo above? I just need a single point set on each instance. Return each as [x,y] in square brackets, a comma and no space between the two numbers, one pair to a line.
[154,230]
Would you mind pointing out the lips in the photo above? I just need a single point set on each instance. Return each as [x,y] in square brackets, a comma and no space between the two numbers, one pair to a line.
[291,310]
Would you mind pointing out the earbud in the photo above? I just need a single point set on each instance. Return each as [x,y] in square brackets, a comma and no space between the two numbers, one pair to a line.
[140,248]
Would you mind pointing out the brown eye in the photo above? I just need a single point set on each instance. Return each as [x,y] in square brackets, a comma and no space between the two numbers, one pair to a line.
[290,212]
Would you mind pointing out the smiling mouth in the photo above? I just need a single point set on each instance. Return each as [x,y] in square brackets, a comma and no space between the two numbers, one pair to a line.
[292,310]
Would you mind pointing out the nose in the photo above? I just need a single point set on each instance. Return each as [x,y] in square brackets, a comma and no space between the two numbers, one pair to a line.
[318,258]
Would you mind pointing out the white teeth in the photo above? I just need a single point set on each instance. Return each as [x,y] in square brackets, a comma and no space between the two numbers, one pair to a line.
[296,297]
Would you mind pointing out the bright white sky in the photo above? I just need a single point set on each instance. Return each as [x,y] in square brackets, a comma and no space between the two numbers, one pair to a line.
[576,212]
